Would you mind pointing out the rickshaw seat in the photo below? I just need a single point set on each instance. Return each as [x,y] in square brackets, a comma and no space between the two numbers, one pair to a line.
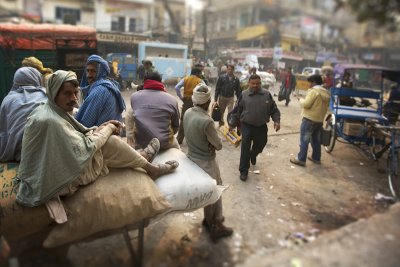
[358,114]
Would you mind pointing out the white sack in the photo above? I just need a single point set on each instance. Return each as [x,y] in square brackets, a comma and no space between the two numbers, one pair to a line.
[189,187]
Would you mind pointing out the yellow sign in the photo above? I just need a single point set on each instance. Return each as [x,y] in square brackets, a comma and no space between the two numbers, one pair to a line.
[251,32]
[232,137]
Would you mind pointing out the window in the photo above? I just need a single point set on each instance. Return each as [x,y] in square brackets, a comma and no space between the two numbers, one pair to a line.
[244,19]
[132,25]
[118,24]
[70,13]
[232,23]
[222,25]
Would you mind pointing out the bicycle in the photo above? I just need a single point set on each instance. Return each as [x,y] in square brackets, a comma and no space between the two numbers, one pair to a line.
[393,157]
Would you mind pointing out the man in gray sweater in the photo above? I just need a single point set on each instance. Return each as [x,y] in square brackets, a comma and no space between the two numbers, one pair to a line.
[253,111]
[202,140]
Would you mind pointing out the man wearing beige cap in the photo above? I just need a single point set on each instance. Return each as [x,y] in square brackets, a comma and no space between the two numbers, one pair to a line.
[202,140]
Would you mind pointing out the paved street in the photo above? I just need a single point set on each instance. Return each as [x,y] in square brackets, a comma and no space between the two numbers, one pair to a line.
[278,211]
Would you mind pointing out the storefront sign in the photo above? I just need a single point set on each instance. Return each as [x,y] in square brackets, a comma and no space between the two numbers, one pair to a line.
[277,53]
[120,38]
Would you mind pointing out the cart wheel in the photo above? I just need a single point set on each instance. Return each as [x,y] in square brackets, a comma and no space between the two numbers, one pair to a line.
[394,173]
[331,145]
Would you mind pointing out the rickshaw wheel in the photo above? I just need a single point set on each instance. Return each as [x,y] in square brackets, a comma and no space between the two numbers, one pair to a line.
[394,173]
[332,142]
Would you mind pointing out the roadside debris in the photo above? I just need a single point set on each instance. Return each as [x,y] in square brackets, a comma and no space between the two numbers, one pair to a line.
[383,198]
[299,238]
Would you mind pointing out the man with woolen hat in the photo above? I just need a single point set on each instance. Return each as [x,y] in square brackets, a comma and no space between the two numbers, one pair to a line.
[202,140]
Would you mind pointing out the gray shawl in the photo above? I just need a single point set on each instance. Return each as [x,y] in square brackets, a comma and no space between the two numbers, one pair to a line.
[55,148]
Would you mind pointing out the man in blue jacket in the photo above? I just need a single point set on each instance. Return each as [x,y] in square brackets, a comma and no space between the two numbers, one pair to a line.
[102,98]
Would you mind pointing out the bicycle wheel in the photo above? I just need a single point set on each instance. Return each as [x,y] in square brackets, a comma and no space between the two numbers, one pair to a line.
[331,145]
[394,173]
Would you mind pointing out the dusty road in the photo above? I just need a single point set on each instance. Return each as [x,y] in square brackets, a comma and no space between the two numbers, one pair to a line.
[283,200]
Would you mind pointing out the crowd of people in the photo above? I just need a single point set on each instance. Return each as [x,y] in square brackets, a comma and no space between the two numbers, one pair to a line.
[65,134]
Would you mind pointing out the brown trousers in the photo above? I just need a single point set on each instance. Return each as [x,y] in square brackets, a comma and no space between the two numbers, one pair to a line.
[223,103]
[112,152]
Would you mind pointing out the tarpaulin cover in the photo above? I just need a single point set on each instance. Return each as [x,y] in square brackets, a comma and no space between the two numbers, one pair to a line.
[46,36]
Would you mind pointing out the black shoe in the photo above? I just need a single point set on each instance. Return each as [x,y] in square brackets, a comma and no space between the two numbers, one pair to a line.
[243,177]
[205,224]
[219,230]
[253,158]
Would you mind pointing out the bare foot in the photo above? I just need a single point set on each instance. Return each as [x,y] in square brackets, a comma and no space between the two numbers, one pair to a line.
[165,168]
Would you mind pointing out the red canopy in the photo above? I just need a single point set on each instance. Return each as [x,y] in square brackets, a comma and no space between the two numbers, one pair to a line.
[46,36]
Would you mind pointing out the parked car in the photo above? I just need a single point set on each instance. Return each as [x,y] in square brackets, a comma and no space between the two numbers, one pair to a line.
[301,79]
[308,71]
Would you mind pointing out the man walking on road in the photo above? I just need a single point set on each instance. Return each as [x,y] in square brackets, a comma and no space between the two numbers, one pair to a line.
[202,139]
[188,84]
[253,110]
[314,108]
[289,83]
[228,85]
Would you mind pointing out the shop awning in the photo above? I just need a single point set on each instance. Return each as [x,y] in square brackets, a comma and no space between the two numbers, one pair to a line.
[251,32]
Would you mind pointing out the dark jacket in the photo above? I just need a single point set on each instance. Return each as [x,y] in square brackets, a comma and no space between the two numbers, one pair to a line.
[292,84]
[227,87]
[254,109]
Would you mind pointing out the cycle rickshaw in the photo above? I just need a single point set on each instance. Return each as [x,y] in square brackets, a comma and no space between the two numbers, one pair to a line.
[356,115]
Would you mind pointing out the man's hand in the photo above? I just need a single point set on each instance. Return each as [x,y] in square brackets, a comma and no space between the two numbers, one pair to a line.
[277,126]
[231,129]
[118,126]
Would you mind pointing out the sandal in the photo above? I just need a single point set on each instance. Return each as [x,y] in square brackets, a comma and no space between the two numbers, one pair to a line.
[166,168]
[152,149]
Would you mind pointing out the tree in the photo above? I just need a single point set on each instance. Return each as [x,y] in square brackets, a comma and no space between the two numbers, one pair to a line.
[382,12]
[174,22]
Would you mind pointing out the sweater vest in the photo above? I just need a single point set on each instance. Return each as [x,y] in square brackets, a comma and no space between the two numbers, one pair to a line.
[189,84]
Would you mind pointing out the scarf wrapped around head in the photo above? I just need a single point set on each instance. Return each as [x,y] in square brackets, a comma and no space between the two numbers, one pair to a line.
[26,76]
[53,87]
[201,94]
[55,148]
[37,64]
[25,95]
[56,80]
[102,71]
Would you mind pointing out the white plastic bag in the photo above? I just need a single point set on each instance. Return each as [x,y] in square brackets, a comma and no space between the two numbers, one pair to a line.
[189,187]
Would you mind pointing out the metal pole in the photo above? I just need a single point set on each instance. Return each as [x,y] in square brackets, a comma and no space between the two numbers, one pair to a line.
[190,43]
[205,30]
